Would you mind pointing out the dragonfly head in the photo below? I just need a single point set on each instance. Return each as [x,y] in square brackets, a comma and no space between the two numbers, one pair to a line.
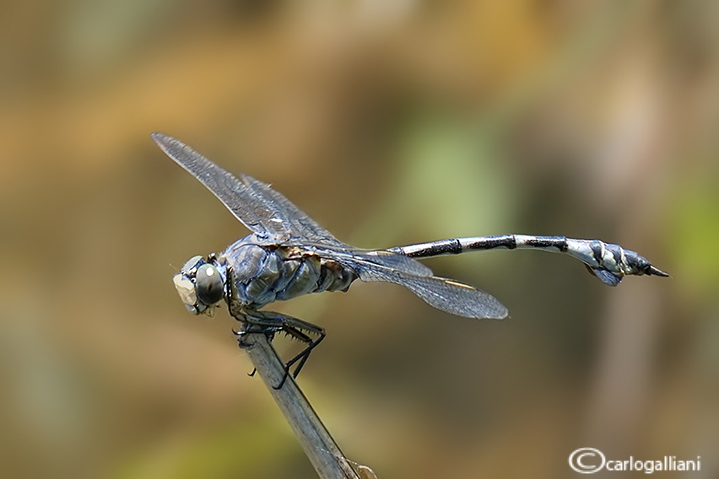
[200,285]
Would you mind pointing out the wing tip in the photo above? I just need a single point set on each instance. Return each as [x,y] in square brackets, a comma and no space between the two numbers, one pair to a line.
[158,136]
[500,314]
[162,140]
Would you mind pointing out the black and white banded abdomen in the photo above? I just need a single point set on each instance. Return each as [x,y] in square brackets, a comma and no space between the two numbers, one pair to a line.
[608,262]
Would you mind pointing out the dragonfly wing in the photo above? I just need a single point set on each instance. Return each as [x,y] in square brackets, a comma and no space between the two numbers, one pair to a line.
[456,298]
[302,228]
[238,196]
[382,261]
[444,294]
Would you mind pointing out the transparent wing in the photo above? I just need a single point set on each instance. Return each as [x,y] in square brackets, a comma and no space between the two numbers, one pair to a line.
[382,261]
[444,294]
[269,213]
[302,228]
[260,208]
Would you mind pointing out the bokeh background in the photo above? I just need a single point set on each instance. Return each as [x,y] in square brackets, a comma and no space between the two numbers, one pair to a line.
[390,122]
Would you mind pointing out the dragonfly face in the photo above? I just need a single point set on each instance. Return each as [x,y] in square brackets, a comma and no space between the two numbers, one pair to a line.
[200,285]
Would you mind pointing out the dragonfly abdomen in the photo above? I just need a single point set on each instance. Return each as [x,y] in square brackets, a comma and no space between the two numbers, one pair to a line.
[609,262]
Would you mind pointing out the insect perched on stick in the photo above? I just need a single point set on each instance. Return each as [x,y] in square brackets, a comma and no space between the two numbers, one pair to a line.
[288,255]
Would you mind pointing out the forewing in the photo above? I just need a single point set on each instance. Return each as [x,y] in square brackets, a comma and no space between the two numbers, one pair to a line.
[382,261]
[444,294]
[456,298]
[303,229]
[253,210]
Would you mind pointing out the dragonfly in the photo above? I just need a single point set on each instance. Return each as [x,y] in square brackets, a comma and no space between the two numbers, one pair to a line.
[288,254]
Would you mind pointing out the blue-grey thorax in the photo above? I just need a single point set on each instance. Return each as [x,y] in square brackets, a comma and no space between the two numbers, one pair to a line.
[266,273]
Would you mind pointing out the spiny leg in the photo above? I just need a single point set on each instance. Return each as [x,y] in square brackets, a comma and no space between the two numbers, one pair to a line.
[305,353]
[269,323]
[609,262]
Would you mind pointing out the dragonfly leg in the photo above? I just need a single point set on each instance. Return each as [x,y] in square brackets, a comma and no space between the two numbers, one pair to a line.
[305,353]
[269,323]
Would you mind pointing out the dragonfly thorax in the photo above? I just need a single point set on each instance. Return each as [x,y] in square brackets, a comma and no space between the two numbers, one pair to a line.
[266,273]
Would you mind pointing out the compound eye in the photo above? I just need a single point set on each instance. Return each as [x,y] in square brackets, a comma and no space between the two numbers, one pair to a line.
[208,284]
[192,263]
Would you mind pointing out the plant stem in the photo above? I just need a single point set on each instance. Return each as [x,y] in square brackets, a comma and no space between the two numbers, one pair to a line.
[316,441]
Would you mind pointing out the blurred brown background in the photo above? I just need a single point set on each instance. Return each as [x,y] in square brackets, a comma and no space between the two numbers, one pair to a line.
[390,122]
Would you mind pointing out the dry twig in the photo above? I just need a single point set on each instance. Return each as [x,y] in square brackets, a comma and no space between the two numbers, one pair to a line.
[316,441]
